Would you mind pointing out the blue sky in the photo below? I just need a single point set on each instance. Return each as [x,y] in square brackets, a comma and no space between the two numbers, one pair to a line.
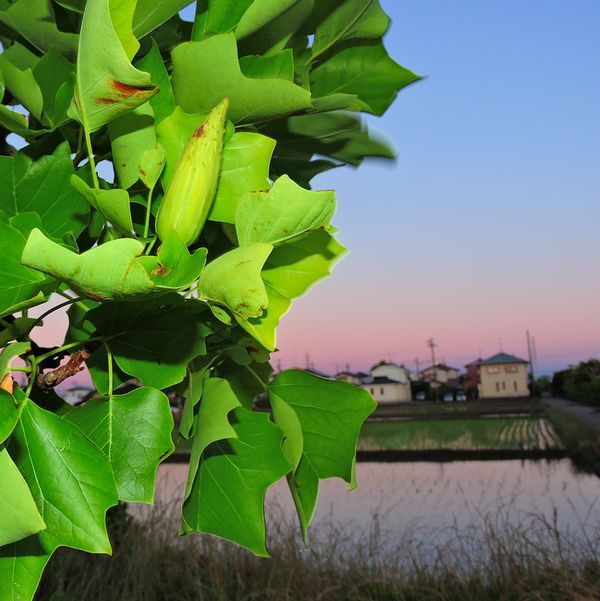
[488,223]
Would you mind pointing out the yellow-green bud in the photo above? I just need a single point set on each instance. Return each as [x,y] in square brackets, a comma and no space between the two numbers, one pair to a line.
[192,188]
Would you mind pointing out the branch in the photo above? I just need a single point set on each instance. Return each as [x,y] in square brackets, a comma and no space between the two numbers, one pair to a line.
[74,365]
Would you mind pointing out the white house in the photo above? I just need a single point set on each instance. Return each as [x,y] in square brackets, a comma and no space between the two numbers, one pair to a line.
[389,383]
[503,375]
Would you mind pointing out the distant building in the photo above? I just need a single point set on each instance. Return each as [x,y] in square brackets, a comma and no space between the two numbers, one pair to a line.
[440,374]
[472,378]
[501,376]
[351,377]
[388,383]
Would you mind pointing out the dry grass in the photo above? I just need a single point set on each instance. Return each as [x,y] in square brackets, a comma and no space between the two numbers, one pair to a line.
[494,561]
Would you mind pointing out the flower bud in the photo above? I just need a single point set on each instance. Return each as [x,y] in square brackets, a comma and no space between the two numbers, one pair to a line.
[192,188]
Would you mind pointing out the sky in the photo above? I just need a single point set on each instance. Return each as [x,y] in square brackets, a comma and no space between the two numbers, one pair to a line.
[487,225]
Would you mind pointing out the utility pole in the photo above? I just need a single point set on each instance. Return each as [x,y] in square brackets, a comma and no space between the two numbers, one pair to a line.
[417,364]
[431,344]
[530,353]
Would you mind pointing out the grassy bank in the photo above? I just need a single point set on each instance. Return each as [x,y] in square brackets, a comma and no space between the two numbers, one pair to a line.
[150,563]
[582,440]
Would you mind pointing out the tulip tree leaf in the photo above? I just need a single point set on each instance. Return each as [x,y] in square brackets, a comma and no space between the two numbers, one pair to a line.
[133,430]
[72,485]
[20,286]
[87,273]
[364,70]
[233,280]
[210,425]
[150,14]
[107,83]
[283,212]
[20,516]
[35,21]
[321,420]
[227,495]
[214,59]
[288,273]
[176,267]
[245,167]
[163,103]
[131,135]
[43,187]
[9,414]
[10,352]
[362,19]
[153,339]
[113,204]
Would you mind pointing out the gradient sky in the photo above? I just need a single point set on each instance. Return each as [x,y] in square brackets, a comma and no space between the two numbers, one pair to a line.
[488,223]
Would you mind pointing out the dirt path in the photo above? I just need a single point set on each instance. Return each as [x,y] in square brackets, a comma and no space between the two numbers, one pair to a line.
[585,413]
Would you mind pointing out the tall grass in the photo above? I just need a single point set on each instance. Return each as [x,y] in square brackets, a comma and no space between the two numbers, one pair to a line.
[495,561]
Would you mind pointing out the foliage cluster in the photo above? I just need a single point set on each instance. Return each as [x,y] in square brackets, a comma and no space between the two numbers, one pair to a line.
[128,82]
[580,383]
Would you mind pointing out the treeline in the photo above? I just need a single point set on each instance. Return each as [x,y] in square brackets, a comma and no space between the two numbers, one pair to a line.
[580,383]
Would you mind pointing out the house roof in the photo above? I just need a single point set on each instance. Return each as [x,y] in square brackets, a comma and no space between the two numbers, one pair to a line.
[442,367]
[500,358]
[384,380]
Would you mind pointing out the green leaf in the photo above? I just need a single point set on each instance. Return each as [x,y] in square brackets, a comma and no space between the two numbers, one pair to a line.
[133,430]
[21,326]
[149,341]
[363,70]
[353,19]
[210,425]
[228,492]
[70,479]
[245,167]
[214,59]
[196,374]
[43,187]
[20,517]
[233,280]
[283,212]
[89,273]
[72,484]
[21,567]
[150,14]
[20,287]
[163,103]
[176,267]
[113,204]
[247,381]
[321,420]
[279,66]
[7,354]
[289,272]
[131,135]
[121,15]
[107,83]
[9,414]
[35,21]
[17,64]
[262,12]
[97,365]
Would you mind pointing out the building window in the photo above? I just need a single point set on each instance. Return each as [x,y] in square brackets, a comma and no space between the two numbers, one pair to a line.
[372,391]
[515,386]
[497,386]
[511,369]
[381,389]
[492,369]
[503,385]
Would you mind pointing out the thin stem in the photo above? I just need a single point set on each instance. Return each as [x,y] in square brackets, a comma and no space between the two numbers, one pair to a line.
[69,346]
[24,368]
[60,306]
[148,211]
[150,246]
[90,151]
[33,362]
[110,397]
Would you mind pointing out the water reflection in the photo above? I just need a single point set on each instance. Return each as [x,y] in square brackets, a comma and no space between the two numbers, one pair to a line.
[428,499]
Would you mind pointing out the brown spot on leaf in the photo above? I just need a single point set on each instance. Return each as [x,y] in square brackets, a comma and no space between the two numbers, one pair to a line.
[105,100]
[199,132]
[143,172]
